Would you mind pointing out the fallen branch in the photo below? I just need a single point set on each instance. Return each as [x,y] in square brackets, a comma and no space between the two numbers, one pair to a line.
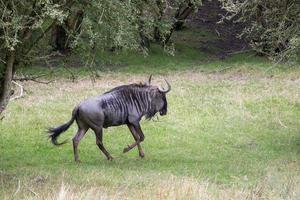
[33,78]
[21,91]
[42,82]
[221,70]
[45,57]
[282,124]
[238,52]
[2,61]
[18,188]
[33,192]
[218,33]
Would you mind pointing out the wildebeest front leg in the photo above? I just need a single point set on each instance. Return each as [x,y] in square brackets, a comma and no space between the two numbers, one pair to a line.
[142,137]
[99,143]
[138,139]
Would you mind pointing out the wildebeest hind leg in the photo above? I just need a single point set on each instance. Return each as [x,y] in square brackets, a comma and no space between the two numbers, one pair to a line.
[98,133]
[76,139]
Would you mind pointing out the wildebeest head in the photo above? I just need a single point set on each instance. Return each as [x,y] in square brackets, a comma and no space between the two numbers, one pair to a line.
[159,101]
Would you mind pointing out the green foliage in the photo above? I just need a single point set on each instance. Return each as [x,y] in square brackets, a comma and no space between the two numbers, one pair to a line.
[106,24]
[21,18]
[273,25]
[109,24]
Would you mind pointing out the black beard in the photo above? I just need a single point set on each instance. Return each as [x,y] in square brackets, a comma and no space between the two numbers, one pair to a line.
[151,113]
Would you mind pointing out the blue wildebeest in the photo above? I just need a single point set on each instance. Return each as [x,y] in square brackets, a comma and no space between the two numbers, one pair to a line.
[126,104]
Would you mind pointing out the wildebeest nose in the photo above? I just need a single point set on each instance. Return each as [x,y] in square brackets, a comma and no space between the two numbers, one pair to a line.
[163,112]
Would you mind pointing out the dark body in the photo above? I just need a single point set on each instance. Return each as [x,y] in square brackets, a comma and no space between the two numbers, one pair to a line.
[122,105]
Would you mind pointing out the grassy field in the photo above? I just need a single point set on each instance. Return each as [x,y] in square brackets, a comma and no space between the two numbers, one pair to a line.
[232,132]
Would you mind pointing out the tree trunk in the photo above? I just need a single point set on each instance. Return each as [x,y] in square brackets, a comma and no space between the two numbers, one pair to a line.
[181,15]
[157,33]
[144,40]
[63,35]
[59,39]
[6,81]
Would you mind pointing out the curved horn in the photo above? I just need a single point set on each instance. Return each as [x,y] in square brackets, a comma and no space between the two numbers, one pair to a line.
[149,80]
[167,90]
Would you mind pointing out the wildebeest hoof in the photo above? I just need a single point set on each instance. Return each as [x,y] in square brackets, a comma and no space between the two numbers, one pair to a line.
[142,155]
[110,158]
[126,149]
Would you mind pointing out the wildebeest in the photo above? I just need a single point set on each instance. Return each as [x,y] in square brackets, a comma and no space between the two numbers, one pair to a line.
[126,104]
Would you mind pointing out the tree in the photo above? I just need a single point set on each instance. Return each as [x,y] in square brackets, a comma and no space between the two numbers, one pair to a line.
[63,34]
[171,15]
[24,23]
[273,26]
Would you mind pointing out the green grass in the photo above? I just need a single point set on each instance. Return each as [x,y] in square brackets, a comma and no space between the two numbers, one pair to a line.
[158,61]
[220,127]
[232,132]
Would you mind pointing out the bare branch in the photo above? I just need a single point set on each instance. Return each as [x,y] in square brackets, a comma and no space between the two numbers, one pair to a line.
[34,79]
[33,192]
[26,78]
[2,61]
[45,57]
[21,91]
[72,74]
[18,189]
[39,37]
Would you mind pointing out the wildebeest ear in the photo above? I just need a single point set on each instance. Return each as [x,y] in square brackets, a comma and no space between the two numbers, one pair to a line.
[149,80]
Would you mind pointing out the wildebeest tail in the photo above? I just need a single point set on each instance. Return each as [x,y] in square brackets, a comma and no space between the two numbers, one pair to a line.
[55,132]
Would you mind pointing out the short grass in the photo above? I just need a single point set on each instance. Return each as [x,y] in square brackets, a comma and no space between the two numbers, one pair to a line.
[233,128]
[232,132]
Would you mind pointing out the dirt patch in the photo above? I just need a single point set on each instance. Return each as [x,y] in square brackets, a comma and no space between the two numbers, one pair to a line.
[207,17]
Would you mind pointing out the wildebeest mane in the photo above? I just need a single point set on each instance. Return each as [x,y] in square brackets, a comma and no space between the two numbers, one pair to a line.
[129,86]
[137,92]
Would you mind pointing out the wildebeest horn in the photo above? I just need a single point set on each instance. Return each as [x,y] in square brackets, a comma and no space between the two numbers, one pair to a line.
[149,80]
[167,90]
